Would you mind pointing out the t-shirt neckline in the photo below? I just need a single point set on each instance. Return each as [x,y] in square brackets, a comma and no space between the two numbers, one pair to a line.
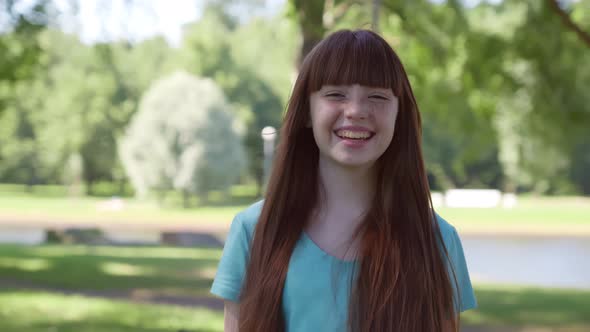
[323,252]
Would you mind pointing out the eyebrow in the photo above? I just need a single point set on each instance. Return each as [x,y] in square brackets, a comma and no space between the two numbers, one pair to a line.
[346,87]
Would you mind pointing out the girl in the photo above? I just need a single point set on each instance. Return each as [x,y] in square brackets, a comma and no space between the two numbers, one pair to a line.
[346,238]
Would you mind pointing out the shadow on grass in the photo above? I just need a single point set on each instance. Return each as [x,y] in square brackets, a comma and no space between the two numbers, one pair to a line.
[81,326]
[520,306]
[162,270]
[41,311]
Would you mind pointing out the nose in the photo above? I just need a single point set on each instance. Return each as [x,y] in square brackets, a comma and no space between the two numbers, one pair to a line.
[356,109]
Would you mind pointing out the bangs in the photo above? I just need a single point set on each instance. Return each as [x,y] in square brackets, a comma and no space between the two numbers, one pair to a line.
[359,57]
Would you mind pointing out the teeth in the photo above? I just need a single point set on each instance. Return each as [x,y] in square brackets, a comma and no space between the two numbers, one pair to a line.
[353,134]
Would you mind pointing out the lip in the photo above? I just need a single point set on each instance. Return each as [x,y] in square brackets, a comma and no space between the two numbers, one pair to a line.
[352,143]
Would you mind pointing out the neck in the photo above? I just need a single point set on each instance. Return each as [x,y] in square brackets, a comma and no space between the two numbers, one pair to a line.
[345,189]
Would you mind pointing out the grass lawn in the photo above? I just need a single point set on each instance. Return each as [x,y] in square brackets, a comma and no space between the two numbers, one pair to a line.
[29,311]
[528,306]
[88,209]
[148,270]
[46,206]
[542,211]
[189,272]
[35,311]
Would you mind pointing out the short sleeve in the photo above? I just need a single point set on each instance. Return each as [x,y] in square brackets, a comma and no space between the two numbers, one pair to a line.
[232,266]
[463,291]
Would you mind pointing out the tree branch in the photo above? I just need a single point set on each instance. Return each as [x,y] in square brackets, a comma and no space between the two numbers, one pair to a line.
[567,21]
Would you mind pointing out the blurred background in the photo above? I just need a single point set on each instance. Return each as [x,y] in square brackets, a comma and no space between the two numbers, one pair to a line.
[131,133]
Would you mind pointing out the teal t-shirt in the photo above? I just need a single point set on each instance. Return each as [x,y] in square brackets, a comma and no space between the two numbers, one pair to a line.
[316,290]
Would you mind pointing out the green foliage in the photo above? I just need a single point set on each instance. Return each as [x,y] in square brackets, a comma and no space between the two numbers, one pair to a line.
[20,54]
[499,86]
[182,137]
[87,92]
[19,48]
[541,111]
[502,88]
[256,83]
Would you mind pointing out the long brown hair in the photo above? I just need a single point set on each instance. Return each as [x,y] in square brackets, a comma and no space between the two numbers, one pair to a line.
[402,282]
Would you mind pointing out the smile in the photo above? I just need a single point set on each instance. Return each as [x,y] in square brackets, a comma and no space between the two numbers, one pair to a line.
[354,135]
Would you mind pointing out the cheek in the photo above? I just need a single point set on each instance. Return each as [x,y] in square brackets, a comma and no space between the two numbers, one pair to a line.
[325,120]
[322,124]
[387,121]
[394,120]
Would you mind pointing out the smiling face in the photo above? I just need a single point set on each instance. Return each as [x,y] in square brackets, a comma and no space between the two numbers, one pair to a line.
[352,124]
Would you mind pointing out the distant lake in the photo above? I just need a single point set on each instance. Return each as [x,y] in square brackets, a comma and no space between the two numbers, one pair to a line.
[535,261]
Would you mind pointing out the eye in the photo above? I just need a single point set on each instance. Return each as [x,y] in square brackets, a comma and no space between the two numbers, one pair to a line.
[380,97]
[335,95]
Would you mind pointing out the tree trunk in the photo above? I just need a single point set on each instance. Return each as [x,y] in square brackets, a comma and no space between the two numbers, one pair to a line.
[310,15]
[568,22]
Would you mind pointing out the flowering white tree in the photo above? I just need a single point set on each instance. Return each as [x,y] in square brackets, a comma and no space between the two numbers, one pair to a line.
[183,137]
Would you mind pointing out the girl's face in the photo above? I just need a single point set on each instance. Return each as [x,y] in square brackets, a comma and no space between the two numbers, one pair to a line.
[352,124]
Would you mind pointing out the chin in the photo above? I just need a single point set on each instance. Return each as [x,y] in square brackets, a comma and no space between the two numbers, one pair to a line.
[355,162]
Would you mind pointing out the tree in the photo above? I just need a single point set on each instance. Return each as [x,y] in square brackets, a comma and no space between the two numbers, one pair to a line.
[184,138]
[77,93]
[19,46]
[28,125]
[19,59]
[316,17]
[127,71]
[309,14]
[214,47]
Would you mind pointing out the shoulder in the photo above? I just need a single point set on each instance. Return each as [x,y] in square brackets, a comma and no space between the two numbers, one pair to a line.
[448,231]
[462,288]
[247,218]
[234,259]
